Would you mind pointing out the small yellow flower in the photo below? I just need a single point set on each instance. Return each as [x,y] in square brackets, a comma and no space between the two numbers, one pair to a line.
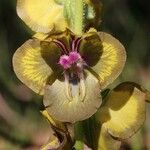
[70,70]
[122,115]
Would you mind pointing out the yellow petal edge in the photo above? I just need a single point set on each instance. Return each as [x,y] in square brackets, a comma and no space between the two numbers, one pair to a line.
[30,67]
[124,111]
[106,141]
[112,60]
[64,109]
[42,16]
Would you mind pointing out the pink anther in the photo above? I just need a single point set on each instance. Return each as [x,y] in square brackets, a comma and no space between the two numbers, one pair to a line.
[74,57]
[64,61]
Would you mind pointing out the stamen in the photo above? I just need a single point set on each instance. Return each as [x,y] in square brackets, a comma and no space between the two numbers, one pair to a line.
[74,57]
[75,92]
[78,40]
[75,44]
[64,61]
[67,87]
[82,86]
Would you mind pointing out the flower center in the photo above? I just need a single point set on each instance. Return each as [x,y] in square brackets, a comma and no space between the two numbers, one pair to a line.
[72,63]
[67,61]
[71,58]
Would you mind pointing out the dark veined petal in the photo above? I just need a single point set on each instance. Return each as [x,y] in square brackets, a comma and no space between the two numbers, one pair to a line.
[106,141]
[42,16]
[104,55]
[91,47]
[31,64]
[64,37]
[82,105]
[124,110]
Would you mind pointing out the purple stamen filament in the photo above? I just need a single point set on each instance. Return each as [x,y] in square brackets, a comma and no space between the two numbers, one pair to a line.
[75,44]
[62,46]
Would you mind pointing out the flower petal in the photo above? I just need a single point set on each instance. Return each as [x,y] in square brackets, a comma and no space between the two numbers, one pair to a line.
[40,36]
[112,59]
[60,141]
[62,108]
[62,136]
[104,54]
[63,37]
[91,48]
[54,123]
[53,144]
[106,141]
[42,16]
[31,65]
[124,110]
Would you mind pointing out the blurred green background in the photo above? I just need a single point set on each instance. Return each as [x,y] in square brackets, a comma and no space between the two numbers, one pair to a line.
[21,124]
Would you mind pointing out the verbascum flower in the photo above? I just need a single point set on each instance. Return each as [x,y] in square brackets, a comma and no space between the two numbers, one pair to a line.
[42,16]
[121,115]
[70,70]
[57,15]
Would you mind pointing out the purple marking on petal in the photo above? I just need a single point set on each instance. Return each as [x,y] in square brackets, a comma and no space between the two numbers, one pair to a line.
[61,46]
[74,57]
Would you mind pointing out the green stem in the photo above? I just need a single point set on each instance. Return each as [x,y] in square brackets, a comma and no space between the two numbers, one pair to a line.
[79,135]
[78,17]
[91,131]
[74,13]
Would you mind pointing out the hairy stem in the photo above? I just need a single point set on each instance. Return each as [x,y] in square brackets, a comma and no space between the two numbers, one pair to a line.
[79,135]
[78,20]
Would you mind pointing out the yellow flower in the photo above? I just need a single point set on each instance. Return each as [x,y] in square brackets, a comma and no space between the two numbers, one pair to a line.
[42,16]
[57,15]
[70,70]
[122,115]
